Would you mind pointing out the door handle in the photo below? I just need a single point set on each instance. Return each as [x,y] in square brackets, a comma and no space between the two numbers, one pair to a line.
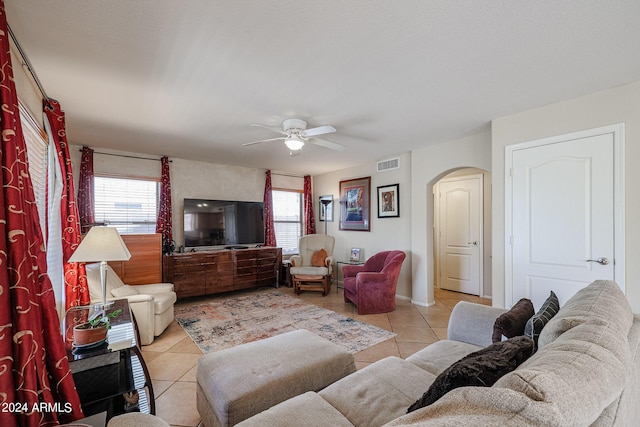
[601,260]
[474,243]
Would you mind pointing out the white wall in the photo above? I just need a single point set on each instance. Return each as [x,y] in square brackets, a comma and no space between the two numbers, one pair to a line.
[386,233]
[617,105]
[428,166]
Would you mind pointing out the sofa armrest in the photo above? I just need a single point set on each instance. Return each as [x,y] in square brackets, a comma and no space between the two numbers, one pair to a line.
[473,323]
[296,261]
[328,262]
[153,288]
[140,298]
[350,270]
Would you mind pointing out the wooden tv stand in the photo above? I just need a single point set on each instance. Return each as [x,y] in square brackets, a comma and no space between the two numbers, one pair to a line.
[213,272]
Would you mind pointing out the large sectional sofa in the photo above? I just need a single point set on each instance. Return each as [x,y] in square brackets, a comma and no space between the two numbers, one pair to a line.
[585,372]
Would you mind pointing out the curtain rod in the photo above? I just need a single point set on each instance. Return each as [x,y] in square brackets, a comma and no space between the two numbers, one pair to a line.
[30,68]
[125,155]
[287,174]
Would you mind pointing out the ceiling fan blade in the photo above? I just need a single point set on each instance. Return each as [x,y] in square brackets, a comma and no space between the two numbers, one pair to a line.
[320,130]
[246,144]
[327,144]
[269,127]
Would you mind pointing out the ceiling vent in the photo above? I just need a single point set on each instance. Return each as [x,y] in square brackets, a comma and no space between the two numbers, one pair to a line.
[389,164]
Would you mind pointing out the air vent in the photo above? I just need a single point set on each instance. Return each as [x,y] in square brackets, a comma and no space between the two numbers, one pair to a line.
[389,164]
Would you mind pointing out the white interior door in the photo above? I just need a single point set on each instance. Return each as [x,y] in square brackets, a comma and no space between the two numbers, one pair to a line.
[460,234]
[563,216]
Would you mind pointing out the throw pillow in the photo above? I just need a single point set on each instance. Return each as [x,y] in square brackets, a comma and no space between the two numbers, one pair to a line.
[318,257]
[480,369]
[538,321]
[511,324]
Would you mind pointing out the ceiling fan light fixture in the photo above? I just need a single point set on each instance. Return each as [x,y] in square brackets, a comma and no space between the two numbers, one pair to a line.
[294,144]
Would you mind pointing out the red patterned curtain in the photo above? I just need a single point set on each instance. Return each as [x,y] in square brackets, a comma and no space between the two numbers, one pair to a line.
[309,220]
[33,362]
[269,228]
[75,278]
[85,190]
[163,223]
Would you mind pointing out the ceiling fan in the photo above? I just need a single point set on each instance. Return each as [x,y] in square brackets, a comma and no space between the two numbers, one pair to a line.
[296,135]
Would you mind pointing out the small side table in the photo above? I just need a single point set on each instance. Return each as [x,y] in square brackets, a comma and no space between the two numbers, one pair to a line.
[338,270]
[108,374]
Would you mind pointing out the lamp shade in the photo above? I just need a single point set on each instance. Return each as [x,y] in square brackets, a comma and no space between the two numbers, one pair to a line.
[101,244]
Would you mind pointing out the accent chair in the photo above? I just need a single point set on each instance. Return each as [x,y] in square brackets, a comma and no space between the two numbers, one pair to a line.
[372,285]
[151,305]
[312,268]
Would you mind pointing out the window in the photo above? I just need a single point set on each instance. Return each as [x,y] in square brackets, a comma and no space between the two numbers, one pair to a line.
[287,219]
[37,143]
[128,204]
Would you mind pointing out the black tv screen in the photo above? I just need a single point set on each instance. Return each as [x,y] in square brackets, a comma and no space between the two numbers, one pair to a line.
[223,223]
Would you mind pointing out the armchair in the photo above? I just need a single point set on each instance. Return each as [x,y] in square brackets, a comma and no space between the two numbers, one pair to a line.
[152,305]
[306,267]
[372,285]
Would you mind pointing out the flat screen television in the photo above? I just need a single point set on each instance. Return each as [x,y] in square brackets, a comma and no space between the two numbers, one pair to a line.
[226,223]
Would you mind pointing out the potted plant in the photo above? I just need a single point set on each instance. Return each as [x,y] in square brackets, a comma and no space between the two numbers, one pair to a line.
[93,330]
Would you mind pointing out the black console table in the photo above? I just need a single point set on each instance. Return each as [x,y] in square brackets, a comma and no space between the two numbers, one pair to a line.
[111,376]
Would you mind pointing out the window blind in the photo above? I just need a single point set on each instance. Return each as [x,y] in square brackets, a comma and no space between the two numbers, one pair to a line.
[36,142]
[287,219]
[130,205]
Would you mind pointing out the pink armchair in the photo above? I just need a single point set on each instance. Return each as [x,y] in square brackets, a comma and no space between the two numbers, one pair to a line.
[372,286]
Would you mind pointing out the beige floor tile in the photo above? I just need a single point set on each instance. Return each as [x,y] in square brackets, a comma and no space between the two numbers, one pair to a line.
[415,333]
[190,376]
[177,405]
[171,366]
[186,345]
[378,352]
[160,386]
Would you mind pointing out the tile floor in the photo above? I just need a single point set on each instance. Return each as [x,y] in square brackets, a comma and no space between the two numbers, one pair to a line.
[172,357]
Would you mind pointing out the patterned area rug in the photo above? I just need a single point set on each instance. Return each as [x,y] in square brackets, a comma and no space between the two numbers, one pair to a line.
[229,322]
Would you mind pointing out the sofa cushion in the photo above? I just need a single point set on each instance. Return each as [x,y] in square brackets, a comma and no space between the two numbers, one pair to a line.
[123,291]
[482,406]
[379,392]
[438,356]
[318,257]
[306,409]
[537,322]
[481,368]
[602,299]
[511,324]
[586,367]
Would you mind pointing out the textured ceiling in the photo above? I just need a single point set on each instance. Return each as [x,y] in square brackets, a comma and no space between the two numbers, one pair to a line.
[186,78]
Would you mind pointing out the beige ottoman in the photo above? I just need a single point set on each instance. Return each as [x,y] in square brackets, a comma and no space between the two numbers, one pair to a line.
[239,382]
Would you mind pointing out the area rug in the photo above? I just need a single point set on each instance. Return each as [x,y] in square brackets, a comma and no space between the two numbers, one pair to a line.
[226,323]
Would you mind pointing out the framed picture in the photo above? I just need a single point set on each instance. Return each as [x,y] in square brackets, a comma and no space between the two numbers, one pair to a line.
[326,208]
[389,201]
[355,204]
[355,255]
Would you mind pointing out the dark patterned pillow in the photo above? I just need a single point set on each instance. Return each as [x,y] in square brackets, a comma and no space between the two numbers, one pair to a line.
[480,369]
[511,324]
[538,321]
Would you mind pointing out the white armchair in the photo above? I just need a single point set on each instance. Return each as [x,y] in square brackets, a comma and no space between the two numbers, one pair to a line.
[152,305]
[308,245]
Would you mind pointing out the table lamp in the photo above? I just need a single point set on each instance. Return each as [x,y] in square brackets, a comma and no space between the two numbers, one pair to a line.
[101,244]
